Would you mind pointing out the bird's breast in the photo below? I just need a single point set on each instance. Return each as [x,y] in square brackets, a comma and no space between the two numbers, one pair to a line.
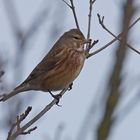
[73,66]
[66,70]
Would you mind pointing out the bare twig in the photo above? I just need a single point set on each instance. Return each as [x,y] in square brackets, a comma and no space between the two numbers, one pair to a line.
[37,117]
[101,21]
[89,17]
[29,131]
[112,41]
[74,13]
[17,125]
[115,81]
[88,46]
[67,4]
[72,7]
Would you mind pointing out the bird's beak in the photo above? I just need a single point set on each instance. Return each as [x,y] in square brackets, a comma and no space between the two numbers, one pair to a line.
[87,41]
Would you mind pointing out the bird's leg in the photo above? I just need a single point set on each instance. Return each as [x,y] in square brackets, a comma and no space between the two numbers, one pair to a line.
[70,86]
[57,97]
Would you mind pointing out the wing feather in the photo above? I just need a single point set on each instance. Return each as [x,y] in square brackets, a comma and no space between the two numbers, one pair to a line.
[49,62]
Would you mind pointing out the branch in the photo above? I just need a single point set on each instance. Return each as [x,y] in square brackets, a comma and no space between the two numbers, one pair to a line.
[112,41]
[37,117]
[101,22]
[17,125]
[115,80]
[72,7]
[91,2]
[90,45]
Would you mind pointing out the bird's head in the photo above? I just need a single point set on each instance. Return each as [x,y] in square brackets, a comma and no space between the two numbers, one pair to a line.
[75,38]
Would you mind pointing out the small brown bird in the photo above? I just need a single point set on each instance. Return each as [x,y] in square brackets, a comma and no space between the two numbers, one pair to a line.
[59,67]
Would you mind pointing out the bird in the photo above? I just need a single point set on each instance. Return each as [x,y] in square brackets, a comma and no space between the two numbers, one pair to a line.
[59,68]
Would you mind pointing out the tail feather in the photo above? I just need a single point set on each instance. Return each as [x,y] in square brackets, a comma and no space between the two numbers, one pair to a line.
[17,90]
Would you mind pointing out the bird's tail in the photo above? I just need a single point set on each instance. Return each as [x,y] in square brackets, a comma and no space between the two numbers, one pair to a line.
[17,90]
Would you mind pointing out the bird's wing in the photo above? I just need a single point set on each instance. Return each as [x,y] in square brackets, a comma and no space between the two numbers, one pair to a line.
[48,63]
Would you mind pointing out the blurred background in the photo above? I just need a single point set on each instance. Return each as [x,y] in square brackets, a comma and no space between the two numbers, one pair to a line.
[28,29]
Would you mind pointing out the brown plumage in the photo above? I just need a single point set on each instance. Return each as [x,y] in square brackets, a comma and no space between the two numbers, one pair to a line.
[59,67]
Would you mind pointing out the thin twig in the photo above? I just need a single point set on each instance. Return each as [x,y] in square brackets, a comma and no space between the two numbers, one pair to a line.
[112,41]
[89,17]
[67,4]
[101,21]
[89,23]
[74,13]
[29,131]
[16,125]
[72,7]
[39,115]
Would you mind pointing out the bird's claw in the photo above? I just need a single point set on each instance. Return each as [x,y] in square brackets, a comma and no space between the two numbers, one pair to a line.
[57,97]
[70,87]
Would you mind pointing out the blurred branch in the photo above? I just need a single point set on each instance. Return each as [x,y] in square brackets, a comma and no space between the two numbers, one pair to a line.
[101,22]
[13,18]
[1,73]
[72,7]
[16,125]
[115,81]
[57,25]
[88,122]
[125,111]
[20,35]
[112,41]
[59,132]
[39,19]
[38,116]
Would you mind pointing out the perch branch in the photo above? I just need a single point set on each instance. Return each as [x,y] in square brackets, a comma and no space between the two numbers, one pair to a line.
[37,117]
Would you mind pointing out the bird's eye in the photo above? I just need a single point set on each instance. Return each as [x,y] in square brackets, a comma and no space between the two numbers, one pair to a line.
[76,37]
